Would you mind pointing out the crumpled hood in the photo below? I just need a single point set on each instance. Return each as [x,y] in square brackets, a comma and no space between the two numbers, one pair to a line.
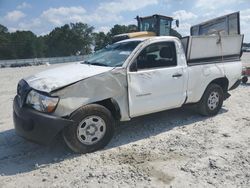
[56,78]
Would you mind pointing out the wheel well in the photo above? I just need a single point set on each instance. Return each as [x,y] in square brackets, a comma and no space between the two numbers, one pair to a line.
[112,106]
[223,82]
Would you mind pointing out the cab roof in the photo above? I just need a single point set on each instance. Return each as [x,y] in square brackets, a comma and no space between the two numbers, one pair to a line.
[147,38]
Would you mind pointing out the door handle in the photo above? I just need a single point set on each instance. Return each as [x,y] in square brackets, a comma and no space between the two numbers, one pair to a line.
[176,75]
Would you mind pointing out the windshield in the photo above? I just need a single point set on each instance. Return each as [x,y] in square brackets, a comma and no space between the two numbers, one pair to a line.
[113,55]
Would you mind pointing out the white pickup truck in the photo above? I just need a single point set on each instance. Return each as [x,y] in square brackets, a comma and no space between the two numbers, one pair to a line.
[127,79]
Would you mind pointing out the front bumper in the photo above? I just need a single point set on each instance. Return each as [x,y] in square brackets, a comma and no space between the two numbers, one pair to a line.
[36,126]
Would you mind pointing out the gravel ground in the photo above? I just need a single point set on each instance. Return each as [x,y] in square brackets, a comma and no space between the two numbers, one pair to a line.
[175,148]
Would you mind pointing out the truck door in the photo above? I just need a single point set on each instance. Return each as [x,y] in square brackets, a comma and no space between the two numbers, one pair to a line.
[155,80]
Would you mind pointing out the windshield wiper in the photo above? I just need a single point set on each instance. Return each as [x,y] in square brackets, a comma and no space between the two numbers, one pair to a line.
[94,63]
[99,64]
[86,62]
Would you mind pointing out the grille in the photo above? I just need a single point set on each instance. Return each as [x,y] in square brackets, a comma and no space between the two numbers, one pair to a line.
[22,90]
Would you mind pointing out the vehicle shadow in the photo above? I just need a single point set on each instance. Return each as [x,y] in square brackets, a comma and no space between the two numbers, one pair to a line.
[246,84]
[19,156]
[154,124]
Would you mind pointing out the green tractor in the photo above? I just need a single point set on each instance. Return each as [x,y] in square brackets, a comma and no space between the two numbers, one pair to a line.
[155,25]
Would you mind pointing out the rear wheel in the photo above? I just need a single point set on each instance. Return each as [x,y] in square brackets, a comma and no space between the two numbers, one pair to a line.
[211,101]
[93,131]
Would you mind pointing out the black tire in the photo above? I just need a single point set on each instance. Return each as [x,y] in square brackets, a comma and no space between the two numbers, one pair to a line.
[203,105]
[70,133]
[244,79]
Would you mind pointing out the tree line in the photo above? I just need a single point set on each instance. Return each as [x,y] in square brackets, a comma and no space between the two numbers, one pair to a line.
[69,39]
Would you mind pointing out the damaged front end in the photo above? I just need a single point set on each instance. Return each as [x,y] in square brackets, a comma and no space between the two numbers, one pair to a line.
[32,124]
[111,85]
[40,116]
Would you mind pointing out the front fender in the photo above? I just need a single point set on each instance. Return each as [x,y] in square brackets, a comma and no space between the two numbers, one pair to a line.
[108,85]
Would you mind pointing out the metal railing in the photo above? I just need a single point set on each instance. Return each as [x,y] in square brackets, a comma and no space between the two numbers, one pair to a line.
[39,61]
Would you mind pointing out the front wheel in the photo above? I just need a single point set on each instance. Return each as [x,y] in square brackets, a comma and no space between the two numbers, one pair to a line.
[211,101]
[93,130]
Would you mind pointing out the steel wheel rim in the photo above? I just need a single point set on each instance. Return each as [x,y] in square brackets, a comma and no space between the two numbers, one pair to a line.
[91,130]
[213,100]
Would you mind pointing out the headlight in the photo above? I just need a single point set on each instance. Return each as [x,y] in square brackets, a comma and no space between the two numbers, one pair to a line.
[41,102]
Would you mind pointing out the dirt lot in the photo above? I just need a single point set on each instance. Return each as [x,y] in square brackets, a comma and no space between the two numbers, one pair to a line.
[175,148]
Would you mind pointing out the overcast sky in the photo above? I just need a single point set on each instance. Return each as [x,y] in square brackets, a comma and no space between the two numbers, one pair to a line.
[42,16]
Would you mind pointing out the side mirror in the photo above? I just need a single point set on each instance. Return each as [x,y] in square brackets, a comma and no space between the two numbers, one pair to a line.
[133,67]
[177,23]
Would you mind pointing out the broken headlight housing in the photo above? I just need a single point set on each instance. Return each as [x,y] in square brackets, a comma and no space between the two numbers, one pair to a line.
[41,102]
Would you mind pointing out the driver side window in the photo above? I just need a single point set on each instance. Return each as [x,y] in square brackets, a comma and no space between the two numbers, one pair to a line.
[157,55]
